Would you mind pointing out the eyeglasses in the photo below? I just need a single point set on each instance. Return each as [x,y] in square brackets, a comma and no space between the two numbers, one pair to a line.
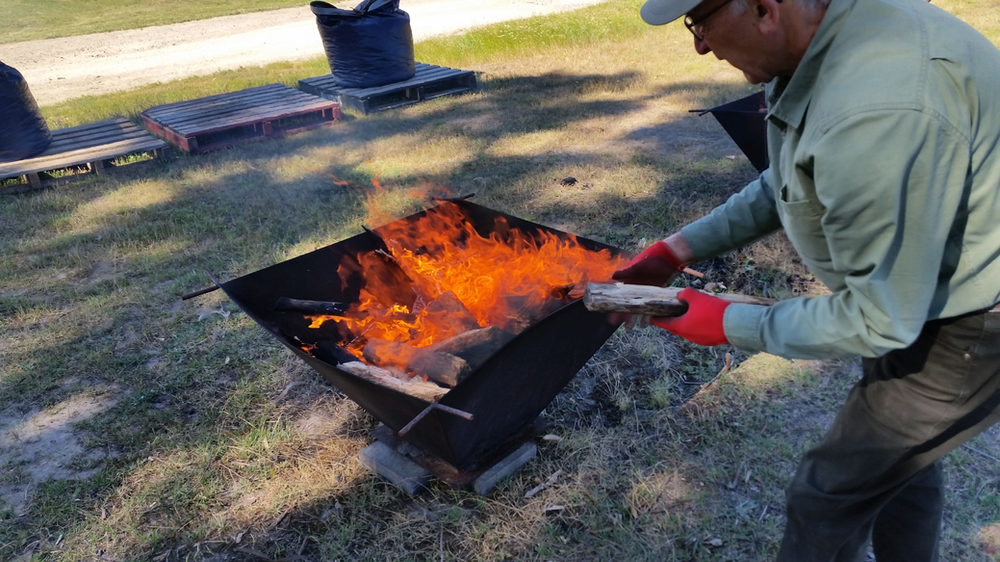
[697,28]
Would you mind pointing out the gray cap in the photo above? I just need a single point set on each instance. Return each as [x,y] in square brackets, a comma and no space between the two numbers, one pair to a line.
[659,12]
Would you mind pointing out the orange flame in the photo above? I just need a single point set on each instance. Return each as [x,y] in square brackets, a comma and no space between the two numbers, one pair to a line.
[458,279]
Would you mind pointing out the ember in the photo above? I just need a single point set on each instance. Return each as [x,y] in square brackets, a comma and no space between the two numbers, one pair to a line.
[438,278]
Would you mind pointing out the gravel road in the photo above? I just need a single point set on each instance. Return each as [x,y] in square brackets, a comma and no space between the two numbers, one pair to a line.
[70,67]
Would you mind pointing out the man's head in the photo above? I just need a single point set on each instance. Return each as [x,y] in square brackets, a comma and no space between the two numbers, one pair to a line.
[762,38]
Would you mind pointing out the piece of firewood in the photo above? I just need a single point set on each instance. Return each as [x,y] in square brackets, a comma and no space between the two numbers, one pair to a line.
[646,300]
[520,313]
[450,314]
[336,354]
[475,346]
[415,387]
[440,367]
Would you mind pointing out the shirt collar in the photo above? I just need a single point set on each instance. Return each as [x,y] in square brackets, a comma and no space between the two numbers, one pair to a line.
[788,97]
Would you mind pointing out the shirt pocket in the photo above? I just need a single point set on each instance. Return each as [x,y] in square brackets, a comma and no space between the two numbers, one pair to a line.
[802,218]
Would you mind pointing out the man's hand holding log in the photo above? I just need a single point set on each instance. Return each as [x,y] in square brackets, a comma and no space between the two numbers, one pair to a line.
[693,315]
[702,323]
[658,264]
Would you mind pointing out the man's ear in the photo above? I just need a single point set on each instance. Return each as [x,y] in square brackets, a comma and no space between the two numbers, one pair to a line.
[768,15]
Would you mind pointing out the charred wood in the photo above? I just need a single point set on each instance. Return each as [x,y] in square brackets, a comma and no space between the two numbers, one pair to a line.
[562,291]
[286,304]
[328,351]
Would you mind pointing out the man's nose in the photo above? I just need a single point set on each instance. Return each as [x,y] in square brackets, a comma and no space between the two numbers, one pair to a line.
[701,47]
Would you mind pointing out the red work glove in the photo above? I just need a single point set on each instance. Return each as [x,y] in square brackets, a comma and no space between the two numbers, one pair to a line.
[702,323]
[657,265]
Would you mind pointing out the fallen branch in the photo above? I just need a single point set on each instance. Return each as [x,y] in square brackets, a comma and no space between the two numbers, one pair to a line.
[693,273]
[548,482]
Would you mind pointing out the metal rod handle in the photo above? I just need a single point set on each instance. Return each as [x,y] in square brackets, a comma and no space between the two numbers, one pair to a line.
[434,406]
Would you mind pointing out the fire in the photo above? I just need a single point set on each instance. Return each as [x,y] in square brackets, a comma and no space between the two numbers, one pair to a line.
[440,277]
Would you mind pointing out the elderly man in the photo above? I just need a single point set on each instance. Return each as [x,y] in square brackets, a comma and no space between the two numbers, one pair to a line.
[884,143]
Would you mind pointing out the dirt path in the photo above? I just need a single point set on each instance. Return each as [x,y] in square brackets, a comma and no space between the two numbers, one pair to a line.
[65,68]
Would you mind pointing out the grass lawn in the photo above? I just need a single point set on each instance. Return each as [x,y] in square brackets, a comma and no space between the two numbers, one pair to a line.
[137,426]
[30,19]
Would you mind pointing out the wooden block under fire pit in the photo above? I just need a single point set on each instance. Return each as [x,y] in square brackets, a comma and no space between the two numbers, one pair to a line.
[214,122]
[494,465]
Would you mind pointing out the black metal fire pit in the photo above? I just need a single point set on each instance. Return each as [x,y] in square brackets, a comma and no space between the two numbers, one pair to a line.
[504,395]
[744,120]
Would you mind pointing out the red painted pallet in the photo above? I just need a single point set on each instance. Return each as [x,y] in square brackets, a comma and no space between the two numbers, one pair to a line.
[429,82]
[214,122]
[76,152]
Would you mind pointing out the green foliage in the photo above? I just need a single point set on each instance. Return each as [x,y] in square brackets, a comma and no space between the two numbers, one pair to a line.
[525,37]
[131,103]
[29,19]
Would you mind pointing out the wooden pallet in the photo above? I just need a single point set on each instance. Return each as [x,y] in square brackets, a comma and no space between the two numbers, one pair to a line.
[429,82]
[222,120]
[78,151]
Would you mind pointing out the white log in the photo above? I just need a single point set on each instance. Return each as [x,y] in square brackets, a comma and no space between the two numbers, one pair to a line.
[415,387]
[646,300]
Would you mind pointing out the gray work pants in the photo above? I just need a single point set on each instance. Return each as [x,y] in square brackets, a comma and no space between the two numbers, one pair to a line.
[876,474]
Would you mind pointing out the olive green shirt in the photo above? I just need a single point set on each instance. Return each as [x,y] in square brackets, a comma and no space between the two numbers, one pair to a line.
[885,174]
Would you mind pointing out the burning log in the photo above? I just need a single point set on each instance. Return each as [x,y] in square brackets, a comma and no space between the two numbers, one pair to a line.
[454,316]
[438,366]
[649,301]
[520,314]
[570,290]
[415,387]
[388,378]
[474,346]
[286,304]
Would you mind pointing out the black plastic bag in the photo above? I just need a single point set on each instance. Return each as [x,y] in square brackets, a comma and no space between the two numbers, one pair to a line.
[23,131]
[371,45]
